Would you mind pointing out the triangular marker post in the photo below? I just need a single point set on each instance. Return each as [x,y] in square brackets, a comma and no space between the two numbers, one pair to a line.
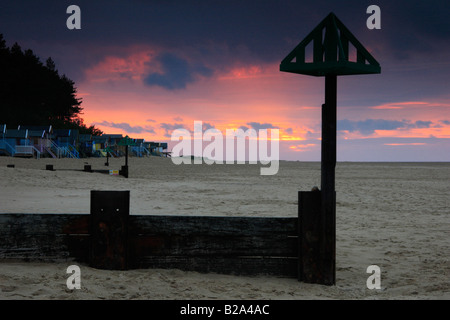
[317,211]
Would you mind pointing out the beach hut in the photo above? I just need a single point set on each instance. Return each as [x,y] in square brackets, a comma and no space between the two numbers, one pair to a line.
[40,138]
[85,144]
[16,137]
[6,149]
[139,148]
[112,141]
[157,148]
[67,139]
[36,137]
[98,144]
[16,143]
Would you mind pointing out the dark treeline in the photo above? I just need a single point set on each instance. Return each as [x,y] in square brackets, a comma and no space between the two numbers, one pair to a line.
[33,93]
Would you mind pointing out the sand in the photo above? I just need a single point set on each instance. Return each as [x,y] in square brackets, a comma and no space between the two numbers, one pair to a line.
[393,215]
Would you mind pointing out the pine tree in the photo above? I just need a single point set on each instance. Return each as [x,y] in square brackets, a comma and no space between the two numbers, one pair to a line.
[33,93]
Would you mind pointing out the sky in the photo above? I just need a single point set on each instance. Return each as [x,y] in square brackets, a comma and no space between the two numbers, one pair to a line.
[145,68]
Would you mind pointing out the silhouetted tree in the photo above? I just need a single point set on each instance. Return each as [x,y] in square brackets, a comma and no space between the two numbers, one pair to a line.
[32,93]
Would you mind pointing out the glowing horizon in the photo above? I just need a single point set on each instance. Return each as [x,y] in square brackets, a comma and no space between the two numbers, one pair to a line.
[116,100]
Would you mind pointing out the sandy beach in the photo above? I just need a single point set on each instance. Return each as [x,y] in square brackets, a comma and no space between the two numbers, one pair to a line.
[393,215]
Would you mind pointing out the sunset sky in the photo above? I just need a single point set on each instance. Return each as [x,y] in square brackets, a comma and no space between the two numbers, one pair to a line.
[145,68]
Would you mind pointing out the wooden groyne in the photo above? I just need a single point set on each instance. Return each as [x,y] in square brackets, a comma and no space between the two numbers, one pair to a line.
[110,238]
[227,245]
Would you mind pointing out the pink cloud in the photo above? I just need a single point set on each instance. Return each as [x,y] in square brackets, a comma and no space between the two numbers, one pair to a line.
[113,92]
[118,68]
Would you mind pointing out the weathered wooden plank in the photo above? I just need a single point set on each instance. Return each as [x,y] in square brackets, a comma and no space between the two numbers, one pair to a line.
[44,237]
[32,224]
[197,245]
[210,225]
[45,247]
[146,224]
[230,245]
[275,266]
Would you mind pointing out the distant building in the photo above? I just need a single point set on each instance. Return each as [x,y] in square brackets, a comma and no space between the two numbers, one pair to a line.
[157,148]
[46,141]
[16,137]
[85,145]
[112,139]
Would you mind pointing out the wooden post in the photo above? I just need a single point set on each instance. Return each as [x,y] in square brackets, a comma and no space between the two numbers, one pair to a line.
[109,229]
[328,165]
[309,204]
[124,171]
[125,142]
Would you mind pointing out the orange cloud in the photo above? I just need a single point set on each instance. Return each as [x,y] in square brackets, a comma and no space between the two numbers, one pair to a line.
[114,68]
[400,105]
[302,147]
[249,72]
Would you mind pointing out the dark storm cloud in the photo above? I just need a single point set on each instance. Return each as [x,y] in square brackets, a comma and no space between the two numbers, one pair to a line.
[266,28]
[169,127]
[207,126]
[127,127]
[257,30]
[220,34]
[260,126]
[422,124]
[177,73]
[415,26]
[369,126]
